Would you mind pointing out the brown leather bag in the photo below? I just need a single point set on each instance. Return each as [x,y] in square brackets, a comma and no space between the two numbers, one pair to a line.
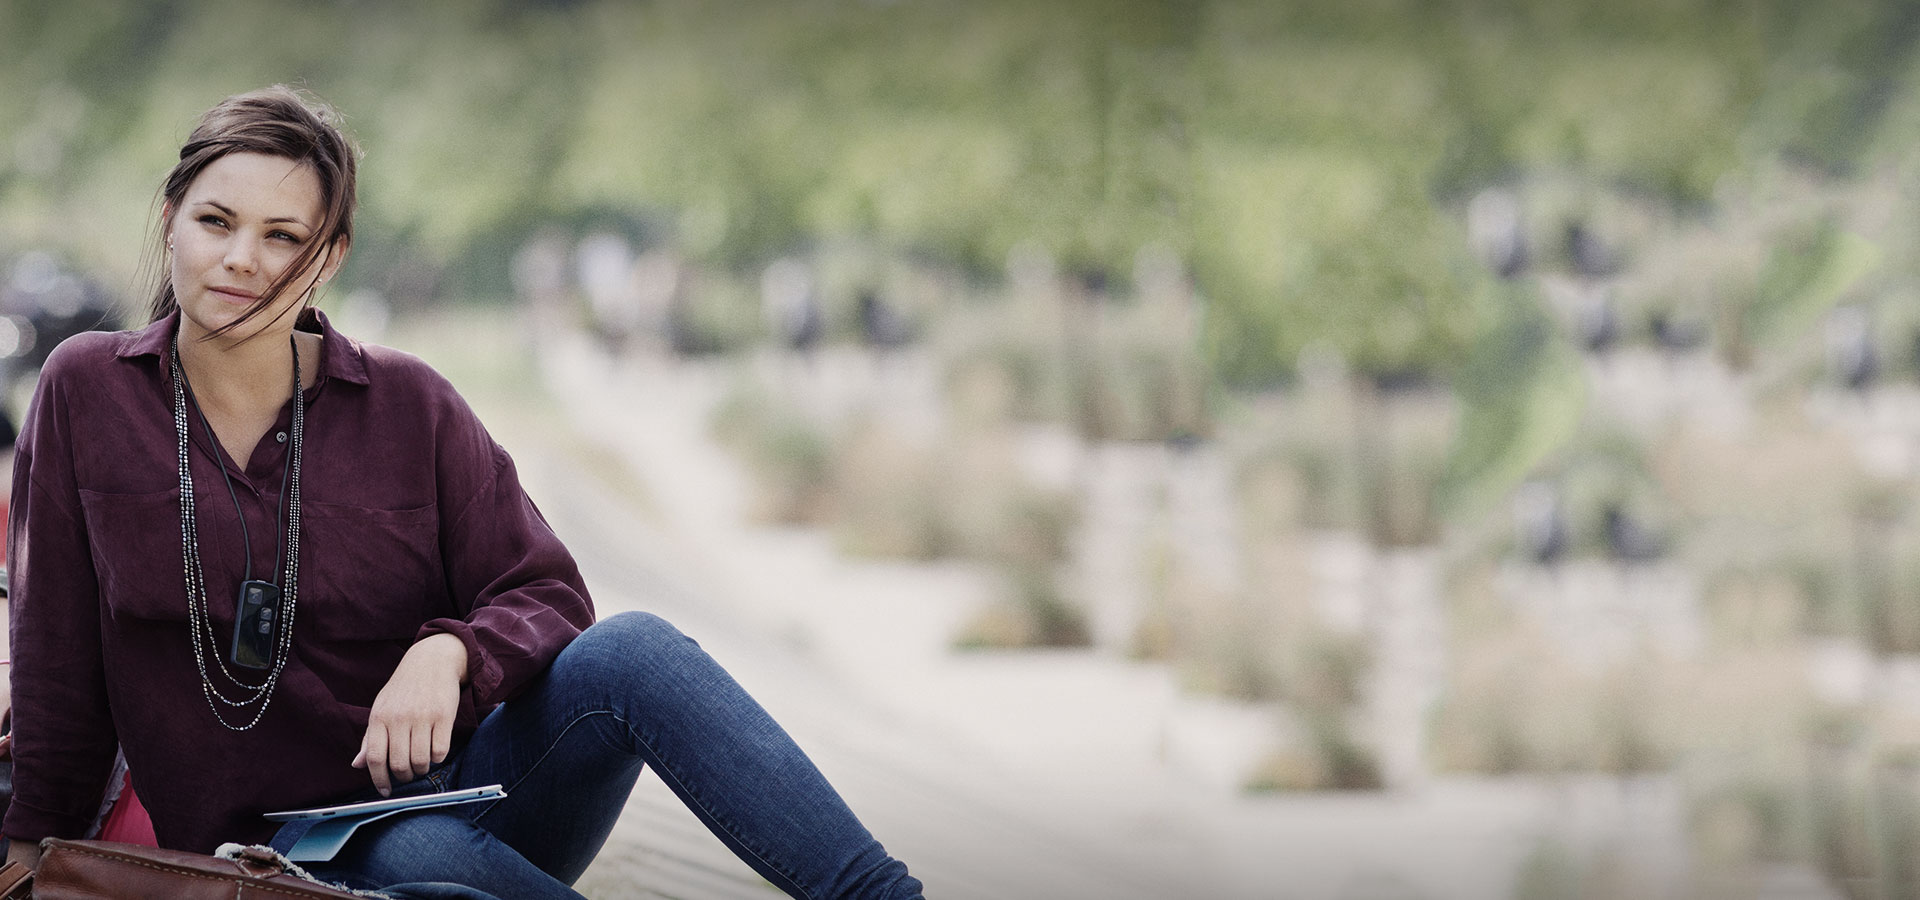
[73,870]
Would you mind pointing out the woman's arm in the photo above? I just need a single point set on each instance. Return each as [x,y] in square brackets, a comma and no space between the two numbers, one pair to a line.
[521,591]
[518,598]
[411,726]
[26,853]
[63,735]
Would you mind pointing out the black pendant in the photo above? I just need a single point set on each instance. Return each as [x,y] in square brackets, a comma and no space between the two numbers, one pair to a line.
[256,624]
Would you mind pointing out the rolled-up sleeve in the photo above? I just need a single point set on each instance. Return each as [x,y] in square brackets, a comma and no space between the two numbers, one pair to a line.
[63,744]
[521,595]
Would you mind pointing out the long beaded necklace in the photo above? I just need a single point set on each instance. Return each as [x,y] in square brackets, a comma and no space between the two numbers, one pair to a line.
[199,621]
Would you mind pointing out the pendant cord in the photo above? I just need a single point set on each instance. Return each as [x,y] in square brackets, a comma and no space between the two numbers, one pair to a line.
[199,616]
[286,473]
[246,542]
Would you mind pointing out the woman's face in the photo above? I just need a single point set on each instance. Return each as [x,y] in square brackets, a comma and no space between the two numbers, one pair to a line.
[242,222]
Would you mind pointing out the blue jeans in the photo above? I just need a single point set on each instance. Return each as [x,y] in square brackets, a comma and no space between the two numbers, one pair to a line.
[630,691]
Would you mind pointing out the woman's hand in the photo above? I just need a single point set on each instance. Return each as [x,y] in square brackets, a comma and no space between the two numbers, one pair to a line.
[411,726]
[26,853]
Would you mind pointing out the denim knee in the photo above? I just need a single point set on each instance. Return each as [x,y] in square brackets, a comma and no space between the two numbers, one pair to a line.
[629,640]
[639,655]
[634,639]
[415,846]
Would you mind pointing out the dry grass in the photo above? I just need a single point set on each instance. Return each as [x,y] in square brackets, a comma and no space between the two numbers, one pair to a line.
[1326,757]
[791,458]
[1114,370]
[883,494]
[1032,611]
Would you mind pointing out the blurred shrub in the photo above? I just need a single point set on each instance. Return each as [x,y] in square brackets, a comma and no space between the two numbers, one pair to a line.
[1269,643]
[1863,795]
[1337,454]
[1896,821]
[1746,818]
[1005,362]
[883,495]
[1138,390]
[1522,396]
[894,499]
[1327,757]
[1403,449]
[721,314]
[1033,612]
[963,498]
[1756,609]
[1513,704]
[1877,564]
[1114,370]
[790,457]
[1288,483]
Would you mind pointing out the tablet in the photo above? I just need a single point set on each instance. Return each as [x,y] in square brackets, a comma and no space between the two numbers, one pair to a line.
[391,804]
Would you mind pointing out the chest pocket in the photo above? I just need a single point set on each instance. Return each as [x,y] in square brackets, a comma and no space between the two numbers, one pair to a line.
[135,541]
[369,574]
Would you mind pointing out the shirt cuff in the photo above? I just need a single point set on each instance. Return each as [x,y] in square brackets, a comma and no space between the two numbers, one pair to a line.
[26,822]
[483,671]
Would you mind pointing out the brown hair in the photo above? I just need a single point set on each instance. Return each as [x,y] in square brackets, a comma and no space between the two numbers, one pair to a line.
[277,121]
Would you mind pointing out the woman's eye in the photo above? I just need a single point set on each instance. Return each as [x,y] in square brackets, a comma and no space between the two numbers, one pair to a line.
[213,220]
[283,236]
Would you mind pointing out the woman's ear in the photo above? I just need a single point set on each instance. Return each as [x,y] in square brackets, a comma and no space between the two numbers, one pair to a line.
[336,255]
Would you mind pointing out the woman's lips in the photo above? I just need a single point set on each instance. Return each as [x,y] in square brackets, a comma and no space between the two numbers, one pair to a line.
[235,295]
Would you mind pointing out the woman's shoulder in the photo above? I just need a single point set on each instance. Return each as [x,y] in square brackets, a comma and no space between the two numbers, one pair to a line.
[392,367]
[88,356]
[397,377]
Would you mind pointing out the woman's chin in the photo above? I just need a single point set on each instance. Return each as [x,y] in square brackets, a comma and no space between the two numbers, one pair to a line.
[211,318]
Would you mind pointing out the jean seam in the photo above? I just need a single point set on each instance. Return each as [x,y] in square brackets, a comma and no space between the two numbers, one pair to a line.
[664,772]
[543,758]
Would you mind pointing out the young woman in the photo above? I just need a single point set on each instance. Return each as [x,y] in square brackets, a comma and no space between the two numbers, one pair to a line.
[281,568]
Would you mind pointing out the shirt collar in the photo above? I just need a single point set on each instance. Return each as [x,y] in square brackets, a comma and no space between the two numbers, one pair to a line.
[340,356]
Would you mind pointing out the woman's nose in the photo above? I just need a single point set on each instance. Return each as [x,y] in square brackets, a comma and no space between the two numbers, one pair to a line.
[240,256]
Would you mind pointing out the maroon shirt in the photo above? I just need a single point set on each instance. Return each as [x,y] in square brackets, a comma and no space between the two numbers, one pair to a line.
[413,522]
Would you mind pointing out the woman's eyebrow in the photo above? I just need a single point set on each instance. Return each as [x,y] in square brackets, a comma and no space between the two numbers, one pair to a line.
[229,213]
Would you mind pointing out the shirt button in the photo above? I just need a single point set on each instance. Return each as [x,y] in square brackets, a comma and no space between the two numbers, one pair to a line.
[280,436]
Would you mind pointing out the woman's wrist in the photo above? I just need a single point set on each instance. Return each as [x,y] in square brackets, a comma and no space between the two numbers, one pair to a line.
[26,853]
[448,651]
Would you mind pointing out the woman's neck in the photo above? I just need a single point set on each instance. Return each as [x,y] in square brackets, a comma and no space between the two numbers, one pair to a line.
[249,373]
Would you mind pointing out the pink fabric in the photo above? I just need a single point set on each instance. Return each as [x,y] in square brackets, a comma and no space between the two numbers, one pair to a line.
[127,821]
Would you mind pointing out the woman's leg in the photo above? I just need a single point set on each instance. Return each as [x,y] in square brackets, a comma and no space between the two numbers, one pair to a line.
[631,690]
[441,854]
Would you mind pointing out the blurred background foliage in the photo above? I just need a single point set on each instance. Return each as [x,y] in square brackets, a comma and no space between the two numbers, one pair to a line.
[1308,162]
[1307,158]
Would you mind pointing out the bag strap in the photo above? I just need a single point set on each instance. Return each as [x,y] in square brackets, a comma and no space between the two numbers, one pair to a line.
[16,882]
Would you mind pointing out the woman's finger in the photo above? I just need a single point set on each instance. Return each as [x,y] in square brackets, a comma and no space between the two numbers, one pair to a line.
[373,752]
[400,754]
[422,748]
[442,740]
